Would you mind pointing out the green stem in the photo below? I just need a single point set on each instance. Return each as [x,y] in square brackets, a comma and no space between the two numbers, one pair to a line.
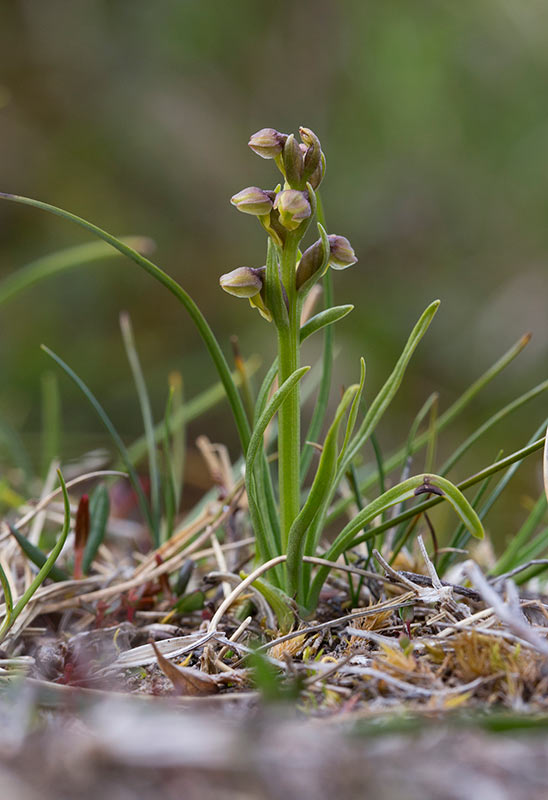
[289,414]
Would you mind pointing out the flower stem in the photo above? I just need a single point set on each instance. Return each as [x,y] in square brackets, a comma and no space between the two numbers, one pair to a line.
[289,414]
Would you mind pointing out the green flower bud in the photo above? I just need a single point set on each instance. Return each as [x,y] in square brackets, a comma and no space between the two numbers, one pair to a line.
[242,282]
[253,201]
[293,161]
[267,143]
[342,254]
[293,207]
[313,152]
[310,262]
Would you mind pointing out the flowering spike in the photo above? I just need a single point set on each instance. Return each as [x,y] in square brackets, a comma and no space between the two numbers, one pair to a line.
[268,142]
[253,201]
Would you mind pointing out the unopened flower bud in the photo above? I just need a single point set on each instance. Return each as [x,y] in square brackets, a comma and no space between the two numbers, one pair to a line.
[317,176]
[293,207]
[313,153]
[253,201]
[342,253]
[242,282]
[267,143]
[310,262]
[293,161]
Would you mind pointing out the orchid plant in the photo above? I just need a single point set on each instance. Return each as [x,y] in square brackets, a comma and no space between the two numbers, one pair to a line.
[294,526]
[289,512]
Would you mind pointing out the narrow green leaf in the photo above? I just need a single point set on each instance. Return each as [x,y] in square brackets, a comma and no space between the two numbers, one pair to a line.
[148,422]
[406,490]
[324,318]
[322,400]
[260,426]
[273,288]
[37,556]
[353,415]
[534,548]
[493,420]
[193,601]
[278,601]
[511,556]
[189,411]
[45,570]
[461,536]
[391,386]
[267,544]
[319,491]
[512,460]
[62,260]
[8,599]
[51,421]
[99,510]
[398,458]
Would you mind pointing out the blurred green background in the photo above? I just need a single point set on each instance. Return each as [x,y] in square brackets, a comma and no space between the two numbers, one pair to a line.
[434,119]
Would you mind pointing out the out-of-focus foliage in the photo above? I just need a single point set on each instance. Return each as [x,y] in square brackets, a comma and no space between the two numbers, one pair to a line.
[135,114]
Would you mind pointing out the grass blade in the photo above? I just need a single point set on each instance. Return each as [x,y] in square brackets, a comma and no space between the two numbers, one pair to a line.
[508,409]
[187,412]
[99,510]
[320,407]
[512,553]
[148,422]
[116,438]
[319,492]
[391,386]
[511,460]
[36,555]
[398,458]
[45,570]
[406,490]
[265,537]
[53,264]
[51,421]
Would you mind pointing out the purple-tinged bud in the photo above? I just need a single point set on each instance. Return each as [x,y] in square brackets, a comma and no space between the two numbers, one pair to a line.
[313,153]
[342,253]
[267,143]
[317,176]
[293,207]
[293,161]
[310,262]
[253,201]
[242,282]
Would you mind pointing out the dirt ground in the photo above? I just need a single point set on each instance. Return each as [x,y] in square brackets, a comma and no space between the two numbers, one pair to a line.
[213,748]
